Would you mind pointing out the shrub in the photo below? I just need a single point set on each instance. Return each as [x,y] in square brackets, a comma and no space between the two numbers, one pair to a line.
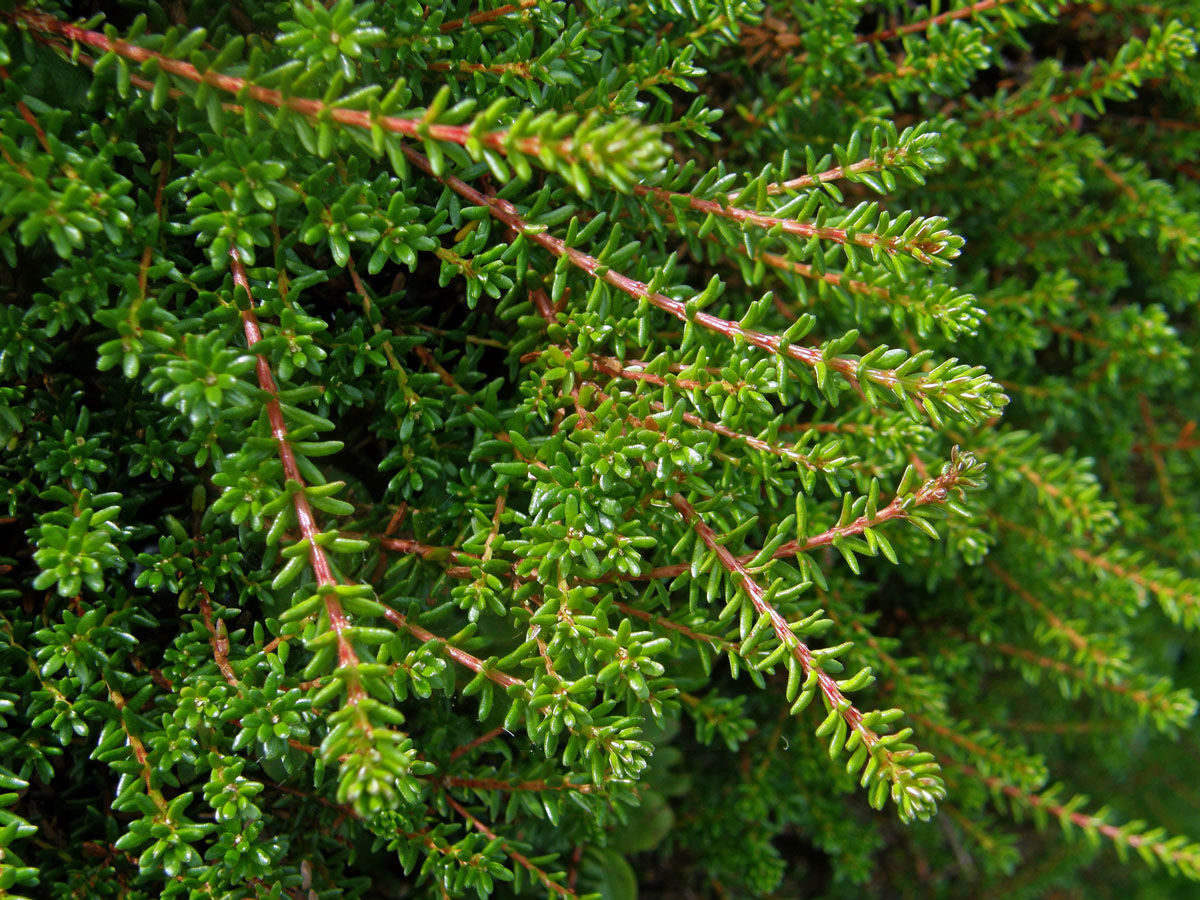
[529,442]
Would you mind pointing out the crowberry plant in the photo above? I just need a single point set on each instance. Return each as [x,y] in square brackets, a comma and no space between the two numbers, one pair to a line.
[716,448]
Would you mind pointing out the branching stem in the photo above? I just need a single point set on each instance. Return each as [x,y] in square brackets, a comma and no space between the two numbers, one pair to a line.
[321,568]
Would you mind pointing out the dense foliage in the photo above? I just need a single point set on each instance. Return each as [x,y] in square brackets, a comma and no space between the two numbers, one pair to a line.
[706,447]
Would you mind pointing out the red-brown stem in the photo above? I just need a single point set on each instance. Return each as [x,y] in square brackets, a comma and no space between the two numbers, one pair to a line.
[1140,697]
[1059,727]
[829,427]
[925,24]
[428,360]
[789,226]
[138,748]
[516,68]
[1075,334]
[837,279]
[397,519]
[573,869]
[1055,99]
[1082,820]
[348,812]
[496,784]
[505,212]
[439,554]
[1179,444]
[516,857]
[29,117]
[834,278]
[427,551]
[272,645]
[671,367]
[462,657]
[808,181]
[416,128]
[220,649]
[1160,464]
[322,571]
[361,290]
[1185,600]
[718,642]
[488,15]
[933,491]
[786,39]
[485,738]
[1077,640]
[717,428]
[734,566]
[976,749]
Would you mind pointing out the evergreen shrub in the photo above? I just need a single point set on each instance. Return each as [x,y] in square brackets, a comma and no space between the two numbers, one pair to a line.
[703,448]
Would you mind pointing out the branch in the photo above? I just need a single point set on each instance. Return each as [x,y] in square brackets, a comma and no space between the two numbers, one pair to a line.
[522,860]
[917,246]
[965,12]
[915,785]
[219,640]
[935,490]
[641,148]
[322,571]
[1178,854]
[964,389]
[488,15]
[789,453]
[462,657]
[1179,597]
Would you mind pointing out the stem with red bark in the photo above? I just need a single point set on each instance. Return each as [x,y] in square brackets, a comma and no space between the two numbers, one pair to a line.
[315,109]
[322,571]
[505,212]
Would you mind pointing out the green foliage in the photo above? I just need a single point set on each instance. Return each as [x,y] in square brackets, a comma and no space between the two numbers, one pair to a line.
[716,449]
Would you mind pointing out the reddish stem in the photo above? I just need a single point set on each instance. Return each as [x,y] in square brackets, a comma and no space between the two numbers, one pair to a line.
[416,128]
[518,858]
[654,619]
[497,784]
[1186,855]
[832,694]
[1055,100]
[933,491]
[485,738]
[1148,698]
[791,226]
[505,212]
[714,427]
[29,117]
[462,657]
[488,15]
[925,24]
[322,571]
[220,648]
